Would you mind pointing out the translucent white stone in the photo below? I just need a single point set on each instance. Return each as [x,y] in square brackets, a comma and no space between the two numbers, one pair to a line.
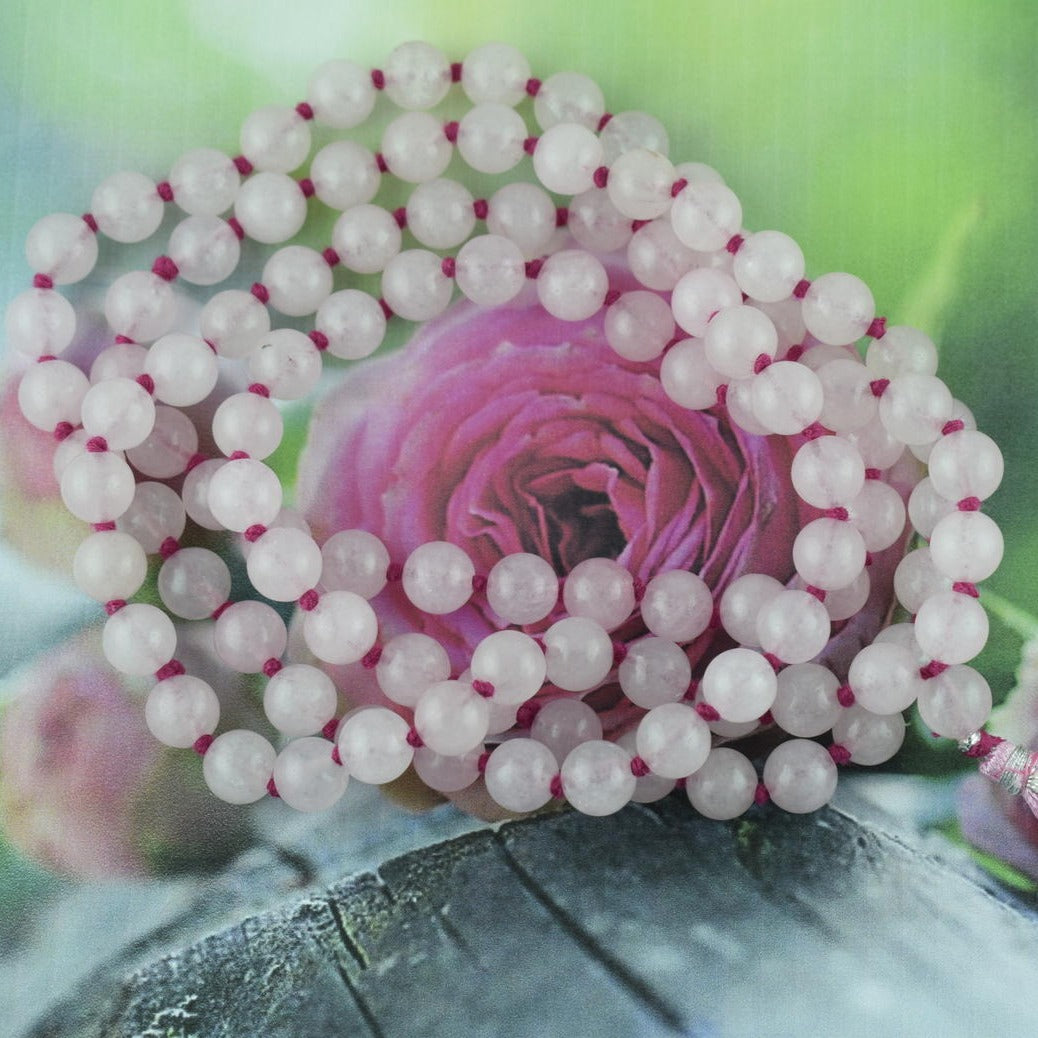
[736,337]
[598,226]
[914,408]
[120,410]
[827,472]
[878,447]
[838,308]
[519,773]
[959,412]
[871,738]
[440,213]
[490,137]
[901,351]
[884,678]
[597,778]
[659,260]
[414,285]
[181,709]
[354,560]
[702,293]
[578,652]
[341,629]
[768,266]
[525,214]
[139,639]
[522,588]
[451,718]
[917,578]
[140,306]
[341,94]
[904,635]
[243,493]
[437,577]
[366,238]
[204,182]
[955,702]
[739,684]
[417,75]
[569,97]
[97,488]
[639,325]
[283,564]
[845,602]
[501,718]
[966,546]
[300,700]
[298,279]
[800,776]
[345,174]
[738,403]
[741,604]
[447,774]
[275,138]
[512,662]
[654,671]
[235,322]
[673,740]
[572,285]
[39,322]
[247,634]
[951,627]
[564,724]
[805,701]
[794,626]
[238,765]
[155,513]
[69,449]
[109,564]
[829,553]
[205,249]
[373,745]
[687,376]
[193,583]
[183,369]
[248,422]
[408,665]
[677,605]
[306,777]
[168,448]
[196,494]
[878,513]
[287,362]
[120,360]
[270,207]
[566,158]
[61,246]
[600,589]
[848,401]
[724,787]
[52,392]
[786,397]
[127,207]
[647,788]
[490,270]
[415,147]
[705,215]
[354,323]
[640,182]
[966,464]
[628,130]
[495,72]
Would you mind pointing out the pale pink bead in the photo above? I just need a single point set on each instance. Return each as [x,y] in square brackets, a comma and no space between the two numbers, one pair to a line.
[878,513]
[140,305]
[787,397]
[966,464]
[650,787]
[205,249]
[901,351]
[195,494]
[287,362]
[39,322]
[878,447]
[156,512]
[951,627]
[414,285]
[800,776]
[522,588]
[415,147]
[884,678]
[204,182]
[871,738]
[677,605]
[569,97]
[373,745]
[845,602]
[600,589]
[794,626]
[633,129]
[597,778]
[739,684]
[300,700]
[564,724]
[109,565]
[654,671]
[578,652]
[848,400]
[341,94]
[495,72]
[687,377]
[768,266]
[639,183]
[341,629]
[354,560]
[238,765]
[284,563]
[673,740]
[659,260]
[193,583]
[139,639]
[525,214]
[914,408]
[490,137]
[127,207]
[440,214]
[741,604]
[270,207]
[306,777]
[417,75]
[52,392]
[917,578]
[512,662]
[345,174]
[71,448]
[519,775]
[838,308]
[827,472]
[446,774]
[572,285]
[829,553]
[805,700]
[966,546]
[120,360]
[739,405]
[566,158]
[501,718]
[490,270]
[598,226]
[959,412]
[639,325]
[120,410]
[408,665]
[244,493]
[451,718]
[955,702]
[247,634]
[366,238]
[275,138]
[61,246]
[705,214]
[250,423]
[168,448]
[902,634]
[437,577]
[235,322]
[353,323]
[97,488]
[183,369]
[181,709]
[724,787]
[298,280]
[704,292]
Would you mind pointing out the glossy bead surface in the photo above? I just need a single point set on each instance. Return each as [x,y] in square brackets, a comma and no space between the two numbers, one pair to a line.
[724,786]
[597,778]
[578,652]
[180,709]
[341,629]
[238,765]
[437,577]
[306,777]
[519,774]
[139,639]
[373,745]
[193,583]
[739,684]
[800,776]
[300,700]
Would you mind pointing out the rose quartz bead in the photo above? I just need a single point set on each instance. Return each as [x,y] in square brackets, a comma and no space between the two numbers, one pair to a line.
[917,578]
[739,405]
[284,563]
[287,363]
[298,280]
[204,182]
[353,322]
[871,738]
[196,494]
[366,238]
[341,94]
[654,671]
[525,214]
[451,718]
[648,788]
[879,449]
[446,774]
[884,678]
[183,369]
[848,401]
[97,488]
[235,322]
[736,337]
[415,147]
[639,325]
[600,589]
[572,285]
[247,634]
[566,158]
[569,97]
[966,464]
[951,627]
[414,285]
[786,397]
[70,448]
[300,700]
[705,215]
[440,214]
[417,75]
[955,702]
[829,553]
[724,786]
[519,774]
[659,260]
[243,493]
[345,174]
[563,724]
[120,360]
[522,588]
[914,408]
[702,293]
[490,137]
[578,652]
[167,449]
[904,635]
[193,583]
[800,776]
[677,605]
[341,629]
[741,604]
[768,266]
[739,684]
[598,226]
[140,305]
[306,777]
[687,377]
[966,546]
[119,410]
[62,247]
[270,207]
[139,639]
[827,472]
[275,138]
[250,423]
[597,778]
[878,513]
[673,740]
[205,249]
[408,665]
[127,207]
[639,183]
[626,131]
[845,602]
[794,626]
[181,709]
[373,745]
[39,322]
[805,700]
[501,718]
[52,392]
[901,351]
[490,270]
[959,412]
[354,560]
[495,72]
[838,308]
[512,662]
[238,766]
[109,565]
[156,512]
[437,577]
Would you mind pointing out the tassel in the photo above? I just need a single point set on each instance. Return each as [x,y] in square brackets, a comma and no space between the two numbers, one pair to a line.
[1014,768]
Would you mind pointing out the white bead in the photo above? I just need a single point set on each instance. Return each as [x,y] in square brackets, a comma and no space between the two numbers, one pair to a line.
[300,700]
[437,577]
[659,260]
[408,665]
[139,639]
[639,325]
[787,397]
[512,662]
[794,626]
[741,604]
[490,270]
[193,583]
[805,701]
[673,740]
[572,285]
[270,207]
[525,214]
[235,322]
[495,72]
[951,627]
[677,605]
[902,634]
[768,266]
[168,448]
[61,246]
[451,718]
[845,602]
[275,139]
[884,678]
[283,564]
[417,75]
[878,447]
[966,463]
[196,494]
[366,238]
[966,546]
[490,138]
[724,787]
[738,402]
[440,213]
[353,322]
[597,225]
[959,412]
[569,97]
[140,306]
[69,449]
[522,588]
[341,94]
[341,629]
[181,709]
[901,351]
[345,174]
[519,775]
[446,774]
[628,130]
[248,634]
[829,553]
[205,249]
[39,322]
[354,560]
[120,360]
[800,776]
[878,513]
[204,182]
[238,765]
[52,392]
[700,294]
[705,215]
[871,738]
[127,207]
[687,377]
[156,512]
[914,408]
[597,778]
[298,280]
[564,724]
[650,788]
[600,589]
[848,399]
[639,183]
[739,684]
[109,565]
[120,410]
[736,337]
[373,745]
[917,578]
[415,147]
[244,493]
[287,362]
[248,422]
[183,369]
[306,777]
[838,308]
[654,671]
[955,702]
[97,488]
[827,472]
[566,158]
[414,285]
[578,652]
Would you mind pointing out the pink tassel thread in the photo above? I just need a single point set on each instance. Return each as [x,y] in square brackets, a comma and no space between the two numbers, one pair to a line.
[1014,768]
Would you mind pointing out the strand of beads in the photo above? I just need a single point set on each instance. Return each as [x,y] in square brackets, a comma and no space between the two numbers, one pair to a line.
[755,338]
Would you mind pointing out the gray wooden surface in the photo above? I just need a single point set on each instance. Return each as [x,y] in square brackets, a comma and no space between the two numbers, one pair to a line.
[653,922]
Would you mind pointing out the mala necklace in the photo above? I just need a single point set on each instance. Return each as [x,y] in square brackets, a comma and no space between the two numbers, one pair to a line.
[711,307]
